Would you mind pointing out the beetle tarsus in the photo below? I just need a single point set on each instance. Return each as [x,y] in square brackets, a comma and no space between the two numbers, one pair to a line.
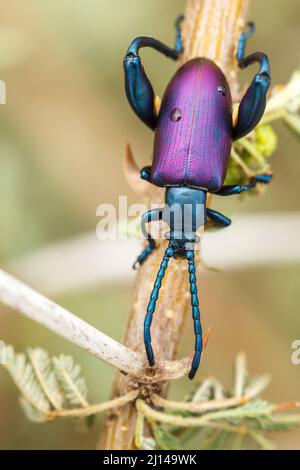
[196,314]
[145,253]
[246,34]
[146,173]
[218,218]
[178,40]
[150,216]
[263,178]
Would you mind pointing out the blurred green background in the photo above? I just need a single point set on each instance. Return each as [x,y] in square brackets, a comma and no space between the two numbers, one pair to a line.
[62,137]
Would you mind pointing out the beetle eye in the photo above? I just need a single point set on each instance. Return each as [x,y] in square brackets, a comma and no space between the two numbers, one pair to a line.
[175,115]
[222,90]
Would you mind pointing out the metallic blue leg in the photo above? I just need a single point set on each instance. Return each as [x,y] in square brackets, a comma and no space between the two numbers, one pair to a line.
[196,314]
[152,304]
[264,178]
[253,102]
[218,218]
[138,88]
[178,39]
[230,190]
[242,41]
[150,216]
[146,173]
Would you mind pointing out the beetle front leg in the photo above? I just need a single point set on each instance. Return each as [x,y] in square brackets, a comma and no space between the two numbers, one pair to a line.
[150,216]
[196,314]
[138,88]
[152,304]
[253,103]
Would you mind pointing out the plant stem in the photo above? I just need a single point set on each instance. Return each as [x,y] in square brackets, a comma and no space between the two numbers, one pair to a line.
[253,151]
[44,311]
[94,409]
[35,306]
[180,421]
[199,407]
[238,160]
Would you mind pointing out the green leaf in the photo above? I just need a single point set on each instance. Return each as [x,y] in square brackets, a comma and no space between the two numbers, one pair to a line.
[254,409]
[262,441]
[267,140]
[43,369]
[164,438]
[24,377]
[32,413]
[149,444]
[256,385]
[73,385]
[274,423]
[46,384]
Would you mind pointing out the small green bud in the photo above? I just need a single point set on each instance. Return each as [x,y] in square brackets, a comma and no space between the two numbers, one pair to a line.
[266,140]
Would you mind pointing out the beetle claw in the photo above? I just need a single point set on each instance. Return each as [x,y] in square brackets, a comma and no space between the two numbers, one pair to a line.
[136,265]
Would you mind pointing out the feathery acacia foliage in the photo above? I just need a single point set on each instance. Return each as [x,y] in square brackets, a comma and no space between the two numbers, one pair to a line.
[238,418]
[211,416]
[47,385]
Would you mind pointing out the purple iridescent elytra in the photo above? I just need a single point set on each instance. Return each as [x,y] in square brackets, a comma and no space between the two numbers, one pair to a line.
[193,135]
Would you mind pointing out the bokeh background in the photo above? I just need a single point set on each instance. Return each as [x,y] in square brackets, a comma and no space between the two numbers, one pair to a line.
[62,137]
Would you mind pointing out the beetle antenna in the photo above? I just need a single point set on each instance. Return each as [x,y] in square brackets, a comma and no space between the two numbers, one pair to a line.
[196,314]
[152,303]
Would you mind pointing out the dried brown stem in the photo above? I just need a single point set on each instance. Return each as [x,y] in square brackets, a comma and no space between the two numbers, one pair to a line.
[211,29]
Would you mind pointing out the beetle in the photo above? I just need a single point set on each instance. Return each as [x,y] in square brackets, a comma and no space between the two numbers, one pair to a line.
[193,136]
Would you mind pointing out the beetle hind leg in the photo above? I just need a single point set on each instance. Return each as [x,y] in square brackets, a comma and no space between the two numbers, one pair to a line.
[246,34]
[138,87]
[253,103]
[178,40]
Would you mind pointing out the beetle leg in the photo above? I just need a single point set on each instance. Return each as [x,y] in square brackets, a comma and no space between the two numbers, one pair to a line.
[240,54]
[178,38]
[253,103]
[146,173]
[230,190]
[218,218]
[138,88]
[196,314]
[152,304]
[150,216]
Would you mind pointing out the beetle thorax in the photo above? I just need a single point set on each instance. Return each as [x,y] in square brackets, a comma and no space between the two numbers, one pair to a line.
[184,212]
